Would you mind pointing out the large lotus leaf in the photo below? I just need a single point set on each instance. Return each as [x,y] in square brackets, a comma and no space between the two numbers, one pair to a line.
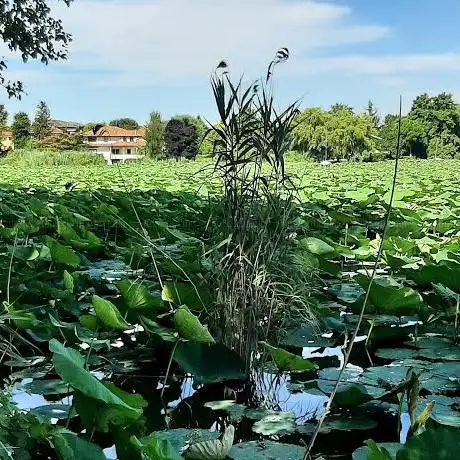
[279,423]
[164,333]
[439,444]
[69,365]
[305,336]
[215,449]
[389,297]
[342,423]
[236,411]
[180,438]
[137,296]
[395,354]
[47,387]
[209,363]
[446,409]
[447,275]
[97,415]
[69,446]
[61,254]
[189,327]
[363,453]
[24,252]
[288,362]
[195,297]
[266,450]
[108,313]
[56,411]
[68,281]
[352,395]
[316,246]
[154,448]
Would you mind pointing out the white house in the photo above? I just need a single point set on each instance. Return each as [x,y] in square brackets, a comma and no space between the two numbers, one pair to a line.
[116,144]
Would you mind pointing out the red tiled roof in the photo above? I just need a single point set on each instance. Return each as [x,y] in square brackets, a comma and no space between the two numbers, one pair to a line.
[7,133]
[136,144]
[115,131]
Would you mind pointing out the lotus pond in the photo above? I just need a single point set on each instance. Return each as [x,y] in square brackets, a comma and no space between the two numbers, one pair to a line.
[104,348]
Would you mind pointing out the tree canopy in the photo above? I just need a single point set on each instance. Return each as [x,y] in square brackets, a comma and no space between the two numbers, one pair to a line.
[125,123]
[21,129]
[154,136]
[42,121]
[181,137]
[335,134]
[28,27]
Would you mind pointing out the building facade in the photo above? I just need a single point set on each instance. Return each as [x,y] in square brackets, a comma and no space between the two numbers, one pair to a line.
[116,144]
[65,127]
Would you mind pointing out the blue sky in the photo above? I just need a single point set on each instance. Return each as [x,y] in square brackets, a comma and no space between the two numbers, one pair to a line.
[131,57]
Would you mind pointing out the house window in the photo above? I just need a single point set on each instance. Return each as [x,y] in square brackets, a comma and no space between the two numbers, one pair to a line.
[116,151]
[132,139]
[128,151]
[124,139]
[92,139]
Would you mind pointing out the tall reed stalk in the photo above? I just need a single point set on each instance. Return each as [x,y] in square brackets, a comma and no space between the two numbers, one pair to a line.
[255,218]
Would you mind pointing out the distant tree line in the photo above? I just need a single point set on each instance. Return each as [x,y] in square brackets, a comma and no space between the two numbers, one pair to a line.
[430,130]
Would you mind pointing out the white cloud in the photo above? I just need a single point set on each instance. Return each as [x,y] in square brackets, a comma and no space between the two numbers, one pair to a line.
[152,42]
[163,42]
[384,65]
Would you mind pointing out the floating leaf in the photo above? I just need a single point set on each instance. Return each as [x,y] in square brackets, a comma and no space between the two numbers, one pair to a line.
[266,450]
[154,448]
[215,449]
[286,361]
[209,363]
[280,423]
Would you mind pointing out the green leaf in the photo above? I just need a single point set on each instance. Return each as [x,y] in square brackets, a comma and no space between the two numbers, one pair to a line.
[209,363]
[389,297]
[47,387]
[189,327]
[266,450]
[139,297]
[88,321]
[69,365]
[317,246]
[180,438]
[196,298]
[108,313]
[214,449]
[154,448]
[350,424]
[50,411]
[61,254]
[98,416]
[68,281]
[380,451]
[24,252]
[164,333]
[352,395]
[286,361]
[69,446]
[439,444]
[279,423]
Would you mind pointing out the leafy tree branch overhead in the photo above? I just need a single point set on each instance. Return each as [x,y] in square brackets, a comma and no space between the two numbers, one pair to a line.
[27,27]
